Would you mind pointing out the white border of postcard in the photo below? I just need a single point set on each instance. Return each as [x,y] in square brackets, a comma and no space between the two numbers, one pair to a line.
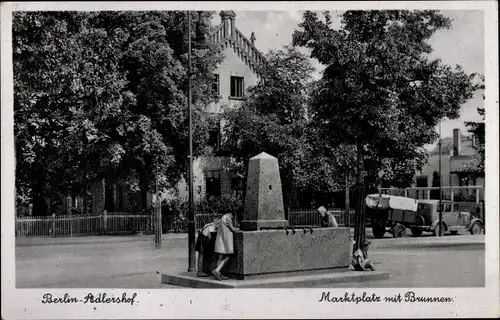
[258,303]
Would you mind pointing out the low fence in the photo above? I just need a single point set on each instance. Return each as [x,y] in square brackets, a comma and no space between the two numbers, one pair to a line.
[83,225]
[127,222]
[296,217]
[106,223]
[203,219]
[311,217]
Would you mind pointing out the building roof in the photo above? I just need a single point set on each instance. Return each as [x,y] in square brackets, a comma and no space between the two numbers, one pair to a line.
[242,46]
[466,146]
[468,158]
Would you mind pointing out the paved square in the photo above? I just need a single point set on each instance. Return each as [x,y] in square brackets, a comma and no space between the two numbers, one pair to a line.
[133,262]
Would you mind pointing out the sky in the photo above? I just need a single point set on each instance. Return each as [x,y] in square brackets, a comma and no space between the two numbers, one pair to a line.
[463,44]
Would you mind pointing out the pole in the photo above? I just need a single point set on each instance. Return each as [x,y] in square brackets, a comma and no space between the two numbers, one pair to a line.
[158,228]
[70,214]
[191,224]
[347,204]
[359,224]
[53,224]
[441,227]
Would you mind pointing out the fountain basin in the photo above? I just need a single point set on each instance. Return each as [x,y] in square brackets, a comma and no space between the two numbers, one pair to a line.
[267,252]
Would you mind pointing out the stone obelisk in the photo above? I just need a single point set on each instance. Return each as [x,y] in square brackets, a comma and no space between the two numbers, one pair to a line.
[264,198]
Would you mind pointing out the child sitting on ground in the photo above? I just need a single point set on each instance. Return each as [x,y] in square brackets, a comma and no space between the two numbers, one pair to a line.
[360,260]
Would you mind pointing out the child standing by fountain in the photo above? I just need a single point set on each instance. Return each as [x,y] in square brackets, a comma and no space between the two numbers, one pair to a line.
[224,243]
[205,247]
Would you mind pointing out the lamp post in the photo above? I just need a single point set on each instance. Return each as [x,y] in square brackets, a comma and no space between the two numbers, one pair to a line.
[200,44]
[158,226]
[441,229]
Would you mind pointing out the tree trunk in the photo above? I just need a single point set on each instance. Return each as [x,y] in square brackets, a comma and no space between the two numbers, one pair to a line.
[347,204]
[144,186]
[359,226]
[39,199]
[115,196]
[85,201]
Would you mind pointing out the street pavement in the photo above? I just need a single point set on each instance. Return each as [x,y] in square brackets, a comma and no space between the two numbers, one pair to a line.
[134,262]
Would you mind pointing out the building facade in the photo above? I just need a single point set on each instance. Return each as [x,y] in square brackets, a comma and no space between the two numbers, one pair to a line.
[458,158]
[213,176]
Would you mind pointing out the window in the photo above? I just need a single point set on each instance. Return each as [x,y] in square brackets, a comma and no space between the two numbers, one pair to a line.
[214,139]
[446,207]
[216,84]
[213,188]
[237,87]
[422,182]
[237,187]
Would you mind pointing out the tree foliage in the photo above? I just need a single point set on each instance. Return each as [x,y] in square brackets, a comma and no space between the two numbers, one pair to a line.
[273,118]
[104,95]
[381,91]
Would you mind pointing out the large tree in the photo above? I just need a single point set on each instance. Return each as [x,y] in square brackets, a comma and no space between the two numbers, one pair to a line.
[325,169]
[381,92]
[69,88]
[155,59]
[104,95]
[273,118]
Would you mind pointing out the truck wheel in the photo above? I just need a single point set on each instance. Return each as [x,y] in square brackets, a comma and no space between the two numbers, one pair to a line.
[378,230]
[416,232]
[476,228]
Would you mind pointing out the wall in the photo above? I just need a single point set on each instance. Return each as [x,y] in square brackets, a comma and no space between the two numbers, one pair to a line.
[433,165]
[450,166]
[449,163]
[231,66]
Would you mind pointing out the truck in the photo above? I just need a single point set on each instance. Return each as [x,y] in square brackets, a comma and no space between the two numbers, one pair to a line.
[396,214]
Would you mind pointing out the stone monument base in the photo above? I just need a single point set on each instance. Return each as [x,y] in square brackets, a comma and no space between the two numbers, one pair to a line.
[285,258]
[297,280]
[274,252]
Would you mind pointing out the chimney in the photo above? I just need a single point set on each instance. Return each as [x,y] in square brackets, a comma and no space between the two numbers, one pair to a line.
[456,142]
[252,38]
[227,20]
